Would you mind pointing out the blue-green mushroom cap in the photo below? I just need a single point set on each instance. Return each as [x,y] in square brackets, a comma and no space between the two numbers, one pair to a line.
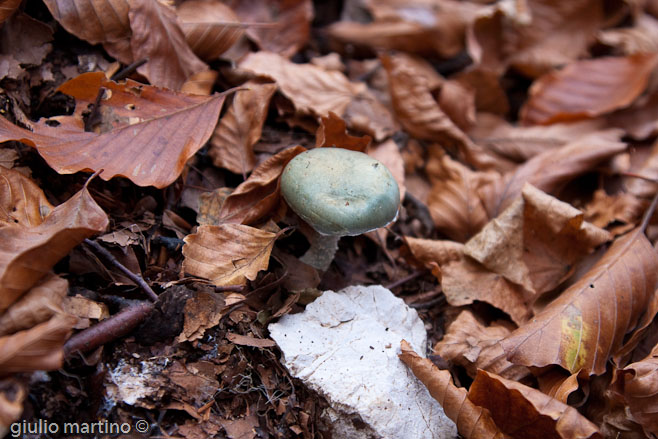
[340,192]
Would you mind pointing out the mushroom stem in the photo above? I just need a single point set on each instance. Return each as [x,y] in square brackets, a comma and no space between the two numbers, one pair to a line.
[322,250]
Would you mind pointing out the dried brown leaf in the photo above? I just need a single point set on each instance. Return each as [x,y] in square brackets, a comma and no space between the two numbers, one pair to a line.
[38,348]
[588,88]
[410,87]
[642,37]
[21,200]
[147,133]
[210,27]
[638,384]
[36,306]
[95,21]
[464,280]
[473,422]
[312,90]
[12,395]
[536,241]
[25,39]
[157,37]
[227,254]
[472,345]
[534,36]
[232,143]
[7,8]
[202,312]
[640,120]
[558,384]
[600,316]
[259,194]
[550,170]
[246,340]
[333,132]
[289,23]
[454,201]
[521,411]
[28,253]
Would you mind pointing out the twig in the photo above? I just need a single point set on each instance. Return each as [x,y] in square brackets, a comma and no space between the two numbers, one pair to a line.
[139,281]
[128,70]
[108,330]
[649,213]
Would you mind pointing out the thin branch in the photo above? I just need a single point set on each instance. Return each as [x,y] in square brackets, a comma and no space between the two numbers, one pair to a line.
[138,280]
[108,330]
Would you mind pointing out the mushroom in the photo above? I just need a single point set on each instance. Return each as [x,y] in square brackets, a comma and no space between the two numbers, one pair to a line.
[338,192]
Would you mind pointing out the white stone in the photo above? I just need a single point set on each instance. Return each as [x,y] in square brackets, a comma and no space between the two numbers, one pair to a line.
[345,346]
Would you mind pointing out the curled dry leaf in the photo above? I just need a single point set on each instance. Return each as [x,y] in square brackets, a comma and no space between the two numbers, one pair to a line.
[534,35]
[558,384]
[641,38]
[454,201]
[472,345]
[333,132]
[227,254]
[600,316]
[38,348]
[7,8]
[202,312]
[638,384]
[521,411]
[588,88]
[536,241]
[95,21]
[473,422]
[465,280]
[21,200]
[287,23]
[38,305]
[232,143]
[550,170]
[210,27]
[157,37]
[419,113]
[147,133]
[313,90]
[259,194]
[28,253]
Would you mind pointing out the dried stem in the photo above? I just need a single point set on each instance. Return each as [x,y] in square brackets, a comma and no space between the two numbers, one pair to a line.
[108,330]
[139,281]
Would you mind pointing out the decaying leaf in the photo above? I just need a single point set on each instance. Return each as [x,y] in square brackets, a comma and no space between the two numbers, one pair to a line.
[638,384]
[313,90]
[157,37]
[454,201]
[227,254]
[38,305]
[231,145]
[12,395]
[28,253]
[252,199]
[588,88]
[550,170]
[38,348]
[389,154]
[473,422]
[465,280]
[471,344]
[147,133]
[21,200]
[600,316]
[521,411]
[333,132]
[210,27]
[536,241]
[96,21]
[202,312]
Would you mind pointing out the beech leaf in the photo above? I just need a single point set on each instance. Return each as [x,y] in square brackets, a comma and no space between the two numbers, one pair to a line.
[28,253]
[21,200]
[588,88]
[147,134]
[95,21]
[522,412]
[473,422]
[599,316]
[227,254]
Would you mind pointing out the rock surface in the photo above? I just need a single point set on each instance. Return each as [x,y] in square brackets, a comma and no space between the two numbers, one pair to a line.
[345,346]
